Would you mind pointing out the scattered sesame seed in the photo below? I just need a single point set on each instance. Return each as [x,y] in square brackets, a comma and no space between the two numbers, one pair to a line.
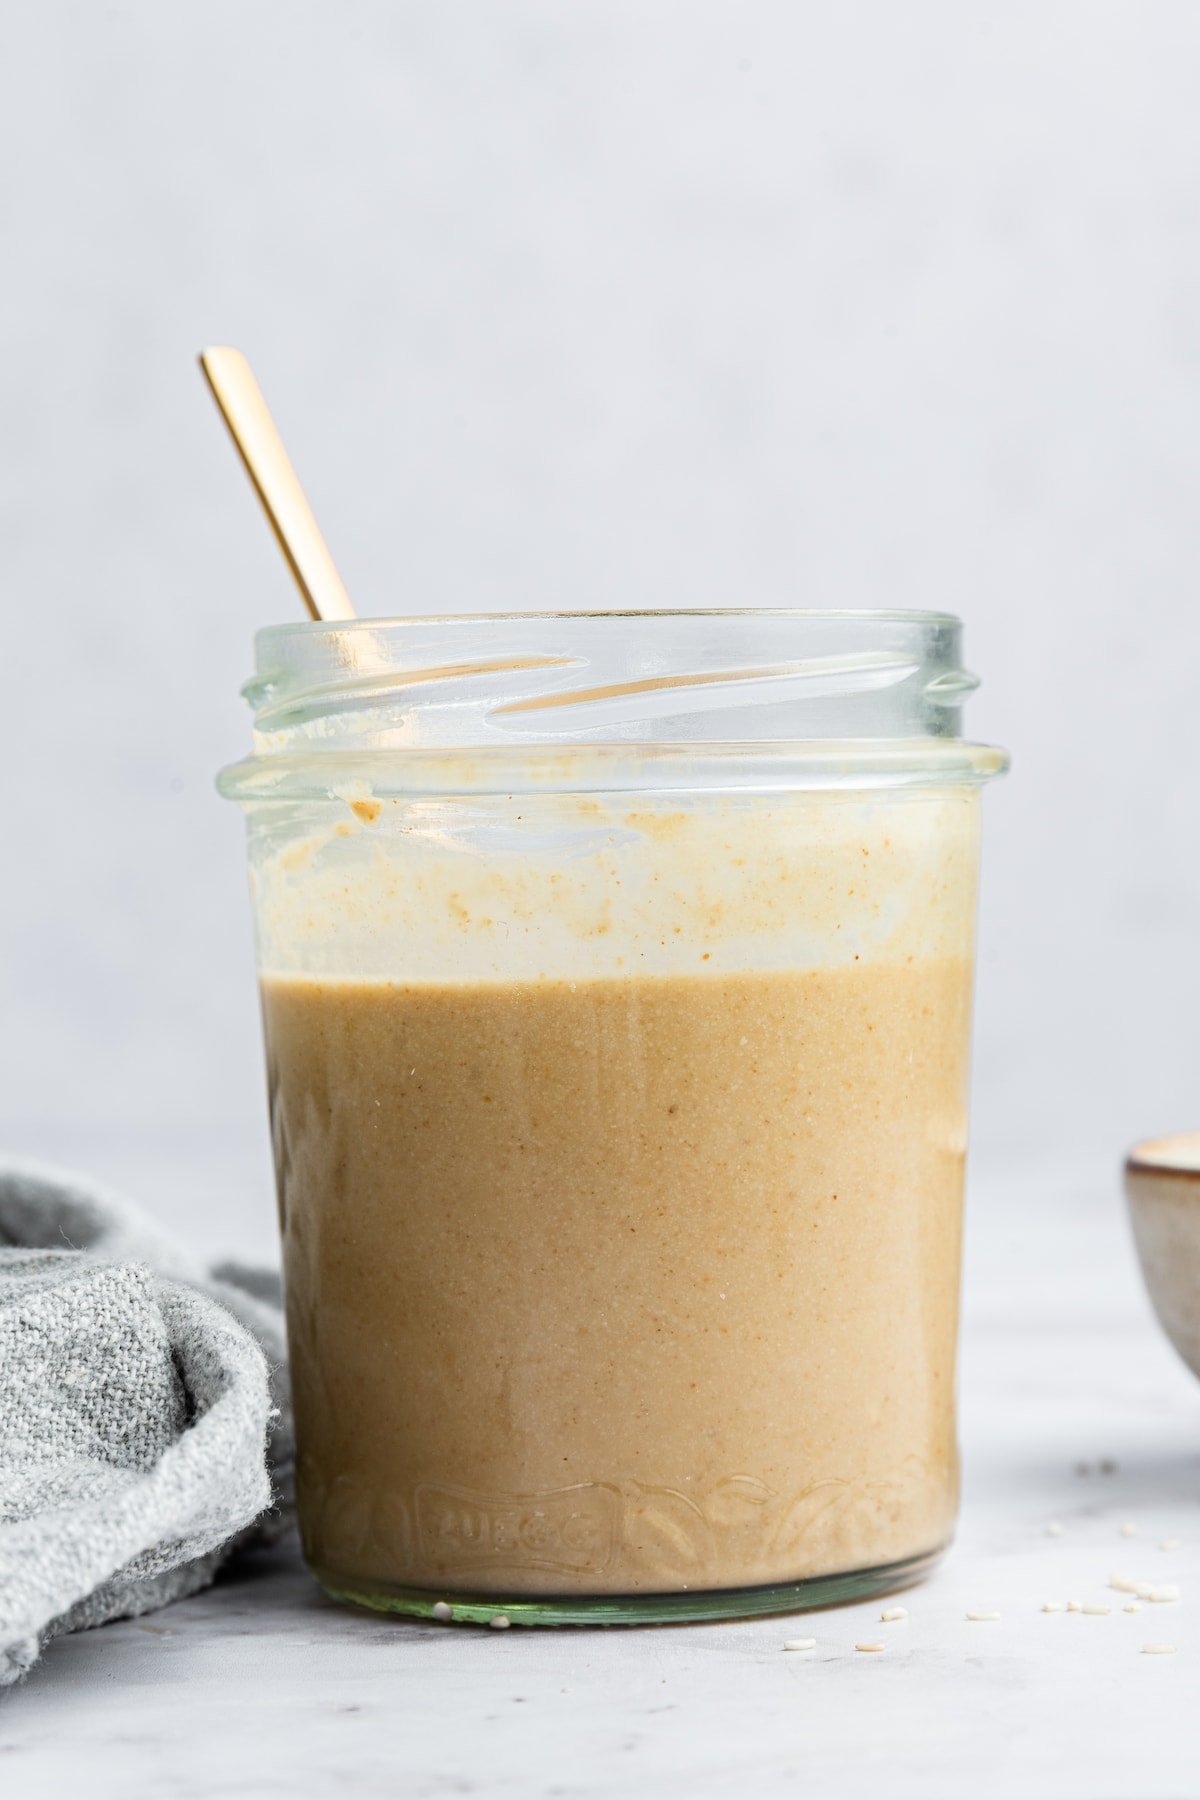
[1074,1606]
[1097,1611]
[1053,1606]
[1054,1528]
[1134,1606]
[868,1646]
[1169,1544]
[801,1644]
[499,1621]
[894,1613]
[1128,1529]
[1168,1592]
[1158,1649]
[1122,1584]
[980,1618]
[442,1612]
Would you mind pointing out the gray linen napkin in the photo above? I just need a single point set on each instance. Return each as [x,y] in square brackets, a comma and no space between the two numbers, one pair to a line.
[141,1399]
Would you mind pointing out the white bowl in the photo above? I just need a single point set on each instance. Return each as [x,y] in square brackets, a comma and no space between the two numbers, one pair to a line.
[1162,1186]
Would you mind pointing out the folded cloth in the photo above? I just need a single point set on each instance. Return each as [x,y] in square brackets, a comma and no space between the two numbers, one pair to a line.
[145,1423]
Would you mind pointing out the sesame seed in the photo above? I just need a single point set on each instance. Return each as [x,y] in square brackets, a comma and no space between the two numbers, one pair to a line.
[442,1612]
[1053,1606]
[1054,1528]
[868,1646]
[980,1618]
[1169,1544]
[499,1621]
[1134,1606]
[1097,1611]
[894,1613]
[1074,1606]
[801,1644]
[1128,1529]
[1158,1649]
[1168,1592]
[1122,1584]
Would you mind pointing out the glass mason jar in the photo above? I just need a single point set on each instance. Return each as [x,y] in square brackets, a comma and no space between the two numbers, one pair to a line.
[616,976]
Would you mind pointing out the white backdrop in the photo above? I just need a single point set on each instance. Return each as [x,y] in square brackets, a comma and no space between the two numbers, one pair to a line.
[607,302]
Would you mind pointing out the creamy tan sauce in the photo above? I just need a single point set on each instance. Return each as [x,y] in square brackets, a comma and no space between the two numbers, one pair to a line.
[623,1284]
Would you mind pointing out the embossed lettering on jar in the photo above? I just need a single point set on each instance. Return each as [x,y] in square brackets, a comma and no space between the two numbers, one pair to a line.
[616,982]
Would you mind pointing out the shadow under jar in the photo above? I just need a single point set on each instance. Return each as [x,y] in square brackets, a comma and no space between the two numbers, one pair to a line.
[616,980]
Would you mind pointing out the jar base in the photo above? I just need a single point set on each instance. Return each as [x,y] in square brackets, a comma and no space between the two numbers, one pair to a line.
[629,1609]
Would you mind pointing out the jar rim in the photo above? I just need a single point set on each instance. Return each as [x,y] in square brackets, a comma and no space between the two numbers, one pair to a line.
[899,615]
[528,685]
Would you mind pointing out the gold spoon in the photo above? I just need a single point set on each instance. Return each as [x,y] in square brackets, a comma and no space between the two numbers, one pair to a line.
[276,483]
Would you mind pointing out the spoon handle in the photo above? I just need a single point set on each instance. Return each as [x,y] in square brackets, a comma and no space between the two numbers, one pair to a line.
[269,467]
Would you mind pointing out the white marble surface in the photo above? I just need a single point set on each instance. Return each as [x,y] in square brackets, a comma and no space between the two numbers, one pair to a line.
[263,1688]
